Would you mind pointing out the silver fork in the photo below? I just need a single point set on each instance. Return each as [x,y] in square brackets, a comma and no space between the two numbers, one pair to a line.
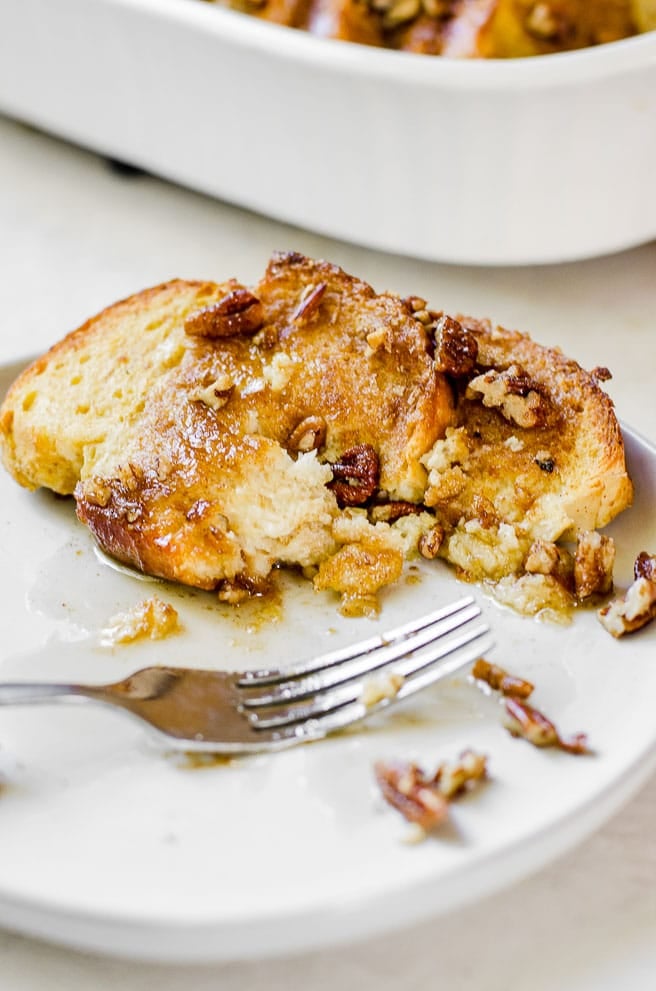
[238,712]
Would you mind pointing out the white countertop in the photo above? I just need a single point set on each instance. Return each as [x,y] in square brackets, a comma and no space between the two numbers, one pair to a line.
[75,236]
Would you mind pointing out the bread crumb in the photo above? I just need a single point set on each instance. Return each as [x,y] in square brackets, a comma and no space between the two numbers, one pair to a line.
[152,618]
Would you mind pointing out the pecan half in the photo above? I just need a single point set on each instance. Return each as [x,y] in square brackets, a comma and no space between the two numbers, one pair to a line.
[456,349]
[310,302]
[501,680]
[308,435]
[240,313]
[532,725]
[355,476]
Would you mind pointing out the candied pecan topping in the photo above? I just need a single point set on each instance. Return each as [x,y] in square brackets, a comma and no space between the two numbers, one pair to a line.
[414,303]
[634,610]
[239,313]
[216,394]
[484,511]
[547,558]
[455,777]
[390,512]
[601,374]
[593,564]
[456,349]
[532,725]
[422,799]
[355,476]
[430,542]
[645,566]
[501,680]
[308,435]
[519,399]
[415,796]
[310,302]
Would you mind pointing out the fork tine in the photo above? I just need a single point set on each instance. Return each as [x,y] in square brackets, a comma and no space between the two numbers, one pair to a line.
[270,676]
[358,664]
[437,661]
[319,725]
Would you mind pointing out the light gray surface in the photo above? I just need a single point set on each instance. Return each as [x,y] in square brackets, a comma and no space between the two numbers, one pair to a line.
[74,237]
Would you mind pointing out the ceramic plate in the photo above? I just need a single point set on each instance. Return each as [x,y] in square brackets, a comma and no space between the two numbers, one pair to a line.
[108,843]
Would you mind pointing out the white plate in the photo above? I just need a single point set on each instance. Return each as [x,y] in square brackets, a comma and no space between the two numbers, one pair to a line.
[109,844]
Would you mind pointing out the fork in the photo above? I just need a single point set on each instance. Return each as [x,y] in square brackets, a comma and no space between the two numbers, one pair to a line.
[239,712]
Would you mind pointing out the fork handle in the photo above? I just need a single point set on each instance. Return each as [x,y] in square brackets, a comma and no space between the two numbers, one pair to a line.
[31,693]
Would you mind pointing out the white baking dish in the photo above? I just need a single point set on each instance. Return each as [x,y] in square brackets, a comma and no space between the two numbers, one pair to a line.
[532,160]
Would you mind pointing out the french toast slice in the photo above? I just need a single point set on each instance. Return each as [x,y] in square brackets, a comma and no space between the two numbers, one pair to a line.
[210,431]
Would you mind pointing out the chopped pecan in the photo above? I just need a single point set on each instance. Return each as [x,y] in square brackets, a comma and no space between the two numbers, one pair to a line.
[237,314]
[355,476]
[390,512]
[456,349]
[645,566]
[601,374]
[519,399]
[415,304]
[430,542]
[455,777]
[542,558]
[501,680]
[308,435]
[418,308]
[407,789]
[309,303]
[532,725]
[546,558]
[631,612]
[484,511]
[593,564]
[422,799]
[216,394]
